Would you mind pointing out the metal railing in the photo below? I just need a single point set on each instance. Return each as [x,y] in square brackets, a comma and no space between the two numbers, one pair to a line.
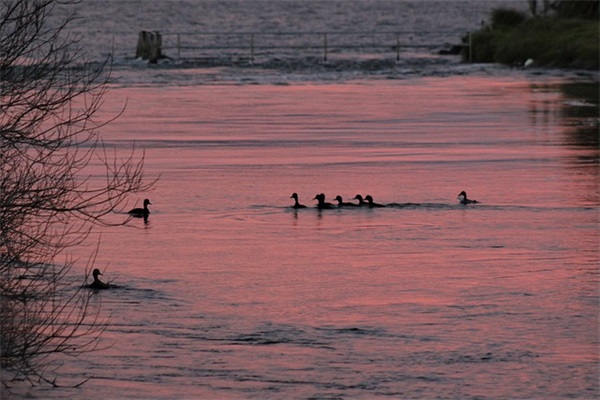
[251,44]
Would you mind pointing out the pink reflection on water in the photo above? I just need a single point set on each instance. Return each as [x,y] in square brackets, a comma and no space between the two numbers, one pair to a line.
[227,292]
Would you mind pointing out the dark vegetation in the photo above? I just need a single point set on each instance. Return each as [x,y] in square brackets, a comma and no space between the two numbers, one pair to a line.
[49,99]
[566,35]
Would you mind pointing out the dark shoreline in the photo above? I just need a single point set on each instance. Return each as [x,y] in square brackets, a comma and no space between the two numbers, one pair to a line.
[538,42]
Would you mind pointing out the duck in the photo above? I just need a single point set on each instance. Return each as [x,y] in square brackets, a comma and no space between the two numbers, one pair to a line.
[361,202]
[140,212]
[97,284]
[371,203]
[296,203]
[341,202]
[462,198]
[322,204]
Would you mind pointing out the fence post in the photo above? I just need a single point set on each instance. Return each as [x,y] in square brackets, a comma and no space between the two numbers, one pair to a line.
[252,47]
[324,47]
[470,48]
[149,46]
[178,47]
[397,47]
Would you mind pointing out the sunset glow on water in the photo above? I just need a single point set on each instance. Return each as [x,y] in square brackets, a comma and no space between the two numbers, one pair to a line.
[227,292]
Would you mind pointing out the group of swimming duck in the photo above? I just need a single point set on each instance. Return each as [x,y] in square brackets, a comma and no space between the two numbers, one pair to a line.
[139,212]
[367,201]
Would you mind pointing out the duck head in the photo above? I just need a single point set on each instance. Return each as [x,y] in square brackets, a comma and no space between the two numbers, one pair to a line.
[95,273]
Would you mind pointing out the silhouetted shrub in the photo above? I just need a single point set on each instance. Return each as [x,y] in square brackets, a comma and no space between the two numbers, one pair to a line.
[587,9]
[506,17]
[548,41]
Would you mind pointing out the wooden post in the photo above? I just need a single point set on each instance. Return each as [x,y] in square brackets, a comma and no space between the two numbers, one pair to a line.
[470,48]
[252,47]
[156,49]
[178,47]
[149,46]
[397,47]
[324,47]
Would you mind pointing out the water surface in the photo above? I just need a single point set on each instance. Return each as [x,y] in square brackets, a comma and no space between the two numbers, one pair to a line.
[227,292]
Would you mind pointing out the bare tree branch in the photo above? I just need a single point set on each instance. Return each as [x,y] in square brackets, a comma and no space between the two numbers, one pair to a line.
[49,98]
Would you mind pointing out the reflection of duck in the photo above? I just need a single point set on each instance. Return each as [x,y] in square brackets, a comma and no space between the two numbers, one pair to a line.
[296,203]
[141,212]
[361,202]
[342,203]
[462,198]
[371,203]
[321,202]
[97,284]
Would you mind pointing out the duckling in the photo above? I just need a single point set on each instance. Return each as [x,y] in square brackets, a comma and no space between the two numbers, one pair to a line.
[296,203]
[361,202]
[97,284]
[462,198]
[342,203]
[322,204]
[141,212]
[371,203]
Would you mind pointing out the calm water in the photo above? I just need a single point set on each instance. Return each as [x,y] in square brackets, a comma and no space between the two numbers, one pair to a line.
[229,293]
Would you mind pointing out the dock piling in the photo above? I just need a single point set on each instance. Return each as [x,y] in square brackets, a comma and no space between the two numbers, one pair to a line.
[149,46]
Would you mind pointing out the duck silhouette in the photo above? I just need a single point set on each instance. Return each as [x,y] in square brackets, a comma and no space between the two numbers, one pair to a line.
[97,284]
[462,198]
[342,203]
[361,202]
[322,204]
[371,203]
[296,203]
[141,212]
